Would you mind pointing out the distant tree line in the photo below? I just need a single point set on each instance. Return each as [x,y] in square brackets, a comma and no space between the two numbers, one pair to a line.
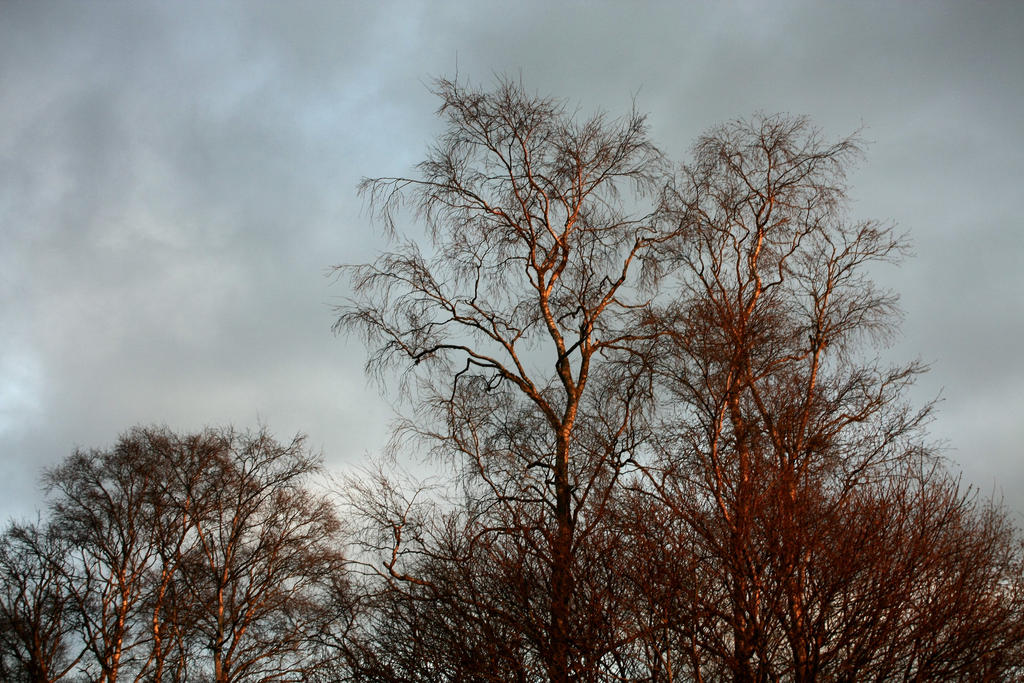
[671,452]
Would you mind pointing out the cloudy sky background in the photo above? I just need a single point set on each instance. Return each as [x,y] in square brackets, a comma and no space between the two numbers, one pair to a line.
[176,181]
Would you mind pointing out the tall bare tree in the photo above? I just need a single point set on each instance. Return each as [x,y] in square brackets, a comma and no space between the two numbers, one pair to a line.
[517,320]
[821,531]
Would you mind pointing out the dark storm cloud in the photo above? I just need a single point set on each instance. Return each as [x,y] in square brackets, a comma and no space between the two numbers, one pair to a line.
[175,179]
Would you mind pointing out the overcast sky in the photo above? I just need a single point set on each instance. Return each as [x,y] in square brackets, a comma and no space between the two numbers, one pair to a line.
[176,181]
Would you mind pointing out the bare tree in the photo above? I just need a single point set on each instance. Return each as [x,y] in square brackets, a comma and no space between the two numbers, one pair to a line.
[101,506]
[37,625]
[517,320]
[203,555]
[261,552]
[465,607]
[821,533]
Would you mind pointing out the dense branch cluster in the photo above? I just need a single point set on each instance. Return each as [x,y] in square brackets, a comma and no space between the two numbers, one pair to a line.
[674,452]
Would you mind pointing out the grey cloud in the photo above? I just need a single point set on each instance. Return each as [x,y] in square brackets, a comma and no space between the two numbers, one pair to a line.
[175,179]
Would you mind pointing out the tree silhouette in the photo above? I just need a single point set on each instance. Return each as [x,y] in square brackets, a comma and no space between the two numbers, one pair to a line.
[519,327]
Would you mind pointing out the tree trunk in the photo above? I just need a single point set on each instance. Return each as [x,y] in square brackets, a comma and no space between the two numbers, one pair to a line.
[561,570]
